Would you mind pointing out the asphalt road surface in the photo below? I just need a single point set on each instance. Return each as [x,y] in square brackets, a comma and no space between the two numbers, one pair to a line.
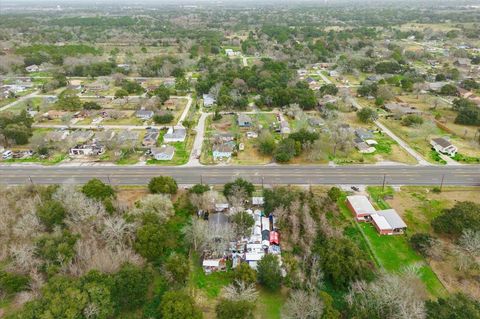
[269,175]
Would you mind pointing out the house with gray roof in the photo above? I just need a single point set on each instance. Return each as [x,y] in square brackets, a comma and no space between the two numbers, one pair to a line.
[163,153]
[244,120]
[175,134]
[144,114]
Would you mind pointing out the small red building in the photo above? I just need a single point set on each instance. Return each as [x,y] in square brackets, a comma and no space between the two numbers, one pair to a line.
[274,238]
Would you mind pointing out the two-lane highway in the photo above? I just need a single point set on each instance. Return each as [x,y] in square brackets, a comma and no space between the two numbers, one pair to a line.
[285,174]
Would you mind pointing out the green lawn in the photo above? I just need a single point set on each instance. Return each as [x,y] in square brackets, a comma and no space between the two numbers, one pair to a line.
[182,152]
[394,252]
[269,304]
[211,284]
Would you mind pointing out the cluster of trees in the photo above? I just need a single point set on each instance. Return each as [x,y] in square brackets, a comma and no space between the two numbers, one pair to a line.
[270,79]
[287,148]
[468,112]
[15,128]
[81,252]
[69,101]
[41,53]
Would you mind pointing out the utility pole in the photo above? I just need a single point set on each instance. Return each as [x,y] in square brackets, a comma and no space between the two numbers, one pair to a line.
[262,181]
[384,178]
[109,181]
[441,183]
[201,179]
[30,179]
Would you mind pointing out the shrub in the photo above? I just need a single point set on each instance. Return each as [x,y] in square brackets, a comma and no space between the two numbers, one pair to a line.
[412,119]
[453,221]
[285,151]
[238,183]
[91,105]
[334,193]
[96,189]
[51,213]
[234,309]
[130,287]
[163,184]
[199,189]
[269,274]
[422,243]
[367,115]
[163,118]
[244,273]
[179,305]
[11,283]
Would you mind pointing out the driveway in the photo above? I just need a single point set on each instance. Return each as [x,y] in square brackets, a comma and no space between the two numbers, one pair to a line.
[197,144]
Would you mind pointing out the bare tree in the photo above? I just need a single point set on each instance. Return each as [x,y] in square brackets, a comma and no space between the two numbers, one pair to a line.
[159,204]
[237,198]
[390,296]
[240,291]
[117,232]
[197,233]
[470,242]
[302,304]
[79,207]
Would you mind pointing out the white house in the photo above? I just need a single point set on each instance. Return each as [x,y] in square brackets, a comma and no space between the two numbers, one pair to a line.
[163,153]
[223,150]
[443,146]
[144,114]
[32,68]
[175,134]
[87,150]
[208,100]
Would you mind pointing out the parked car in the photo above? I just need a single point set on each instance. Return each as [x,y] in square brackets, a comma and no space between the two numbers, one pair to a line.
[7,154]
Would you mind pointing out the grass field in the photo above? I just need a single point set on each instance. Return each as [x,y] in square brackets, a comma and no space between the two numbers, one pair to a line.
[394,252]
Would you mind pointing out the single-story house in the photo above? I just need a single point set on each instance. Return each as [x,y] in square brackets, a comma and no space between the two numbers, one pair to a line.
[208,100]
[163,153]
[212,265]
[443,146]
[364,148]
[258,200]
[151,137]
[54,114]
[388,222]
[223,150]
[244,120]
[175,134]
[315,121]
[144,114]
[92,149]
[360,206]
[401,109]
[333,73]
[363,134]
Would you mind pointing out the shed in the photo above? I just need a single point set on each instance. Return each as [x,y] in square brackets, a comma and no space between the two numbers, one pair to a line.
[274,238]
